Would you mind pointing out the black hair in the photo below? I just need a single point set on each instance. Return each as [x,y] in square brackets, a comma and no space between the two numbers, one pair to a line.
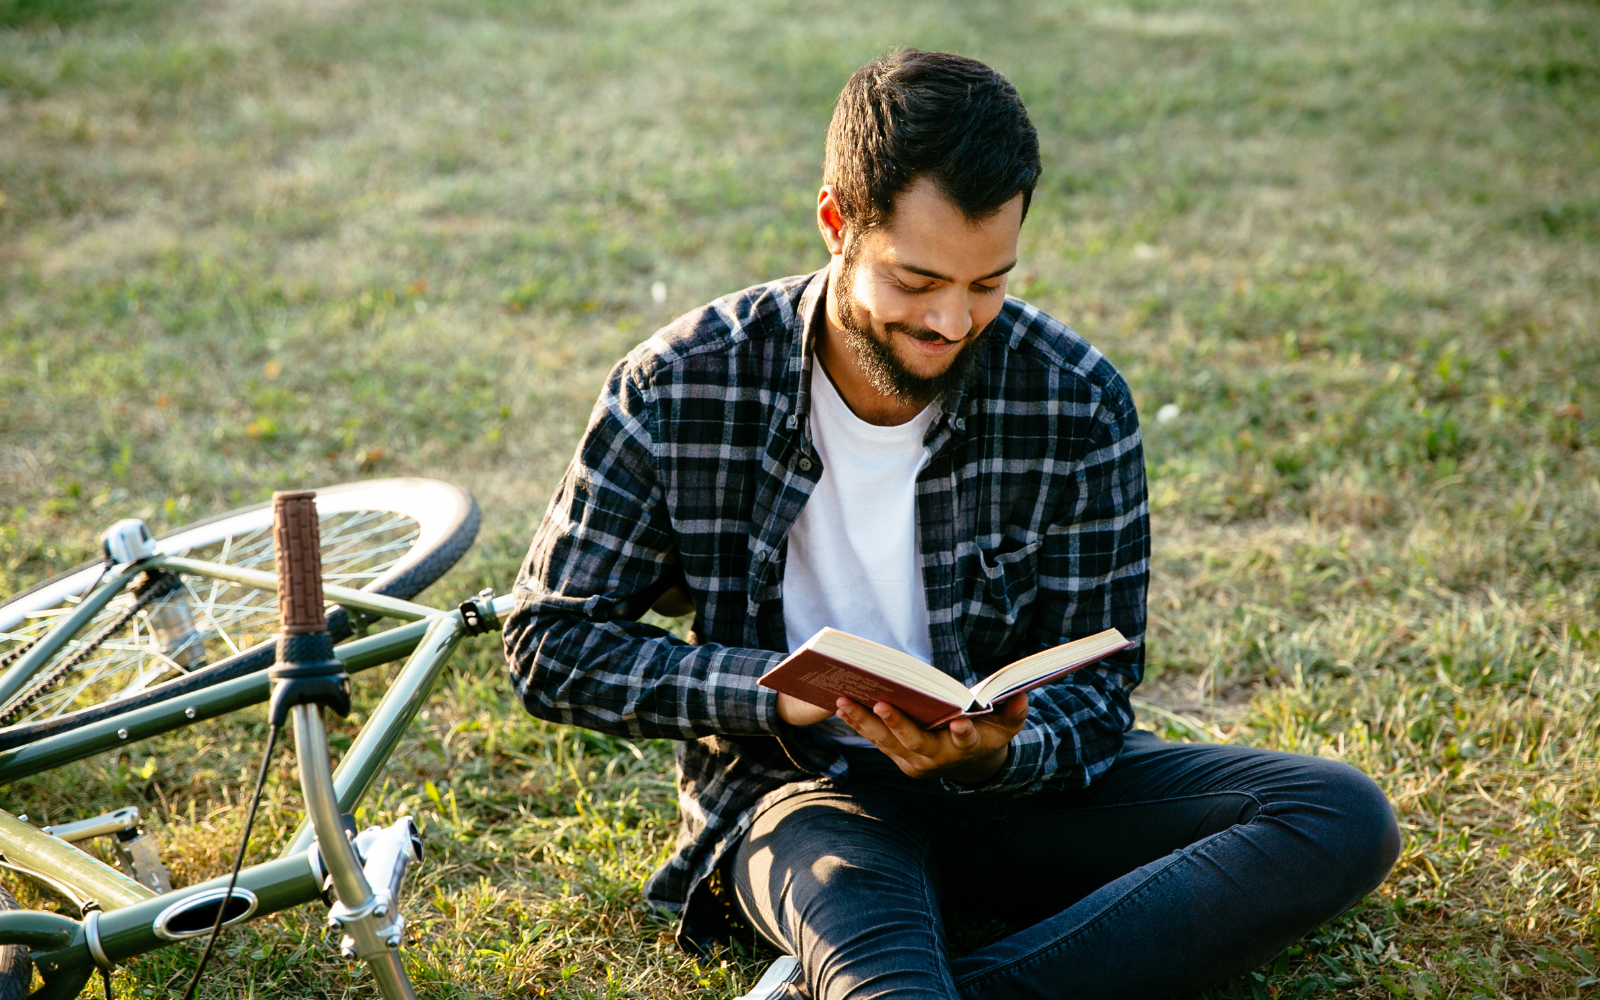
[913,114]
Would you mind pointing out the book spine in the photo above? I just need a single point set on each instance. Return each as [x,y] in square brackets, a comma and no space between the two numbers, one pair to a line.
[940,723]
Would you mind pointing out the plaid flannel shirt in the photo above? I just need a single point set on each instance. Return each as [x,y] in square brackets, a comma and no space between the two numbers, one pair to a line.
[697,459]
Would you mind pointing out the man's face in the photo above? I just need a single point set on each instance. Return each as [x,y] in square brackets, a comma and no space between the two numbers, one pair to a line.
[915,295]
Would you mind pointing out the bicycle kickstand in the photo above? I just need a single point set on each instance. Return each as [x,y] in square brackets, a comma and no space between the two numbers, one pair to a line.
[305,679]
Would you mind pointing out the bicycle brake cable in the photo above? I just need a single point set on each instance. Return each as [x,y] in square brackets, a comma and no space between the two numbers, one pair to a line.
[238,862]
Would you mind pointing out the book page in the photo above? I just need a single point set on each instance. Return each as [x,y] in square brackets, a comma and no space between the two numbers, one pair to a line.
[891,664]
[1058,659]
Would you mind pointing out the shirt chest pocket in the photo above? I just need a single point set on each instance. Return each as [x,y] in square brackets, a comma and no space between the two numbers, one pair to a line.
[1005,579]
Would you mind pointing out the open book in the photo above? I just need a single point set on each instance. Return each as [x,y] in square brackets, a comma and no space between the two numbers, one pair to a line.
[833,664]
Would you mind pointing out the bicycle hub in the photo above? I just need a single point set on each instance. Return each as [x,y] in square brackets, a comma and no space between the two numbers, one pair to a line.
[306,671]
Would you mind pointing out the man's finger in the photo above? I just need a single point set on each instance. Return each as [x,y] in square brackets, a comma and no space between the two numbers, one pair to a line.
[964,734]
[1010,715]
[909,735]
[866,725]
[871,728]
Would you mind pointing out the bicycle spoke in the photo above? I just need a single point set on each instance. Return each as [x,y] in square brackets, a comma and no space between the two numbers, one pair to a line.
[209,613]
[222,618]
[161,668]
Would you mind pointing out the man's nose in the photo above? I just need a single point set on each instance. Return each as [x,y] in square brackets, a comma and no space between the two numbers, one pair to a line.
[949,318]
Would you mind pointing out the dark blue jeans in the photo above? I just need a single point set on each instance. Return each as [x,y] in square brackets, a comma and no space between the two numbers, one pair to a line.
[1182,865]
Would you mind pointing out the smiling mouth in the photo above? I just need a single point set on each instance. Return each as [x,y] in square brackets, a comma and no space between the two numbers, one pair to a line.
[935,349]
[927,342]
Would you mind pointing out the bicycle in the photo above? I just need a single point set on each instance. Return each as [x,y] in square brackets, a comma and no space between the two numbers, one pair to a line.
[153,638]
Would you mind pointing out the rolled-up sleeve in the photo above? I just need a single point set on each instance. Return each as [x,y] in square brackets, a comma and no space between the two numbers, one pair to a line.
[605,537]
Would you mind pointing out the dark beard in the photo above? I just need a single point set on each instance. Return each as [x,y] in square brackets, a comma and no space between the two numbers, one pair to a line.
[884,371]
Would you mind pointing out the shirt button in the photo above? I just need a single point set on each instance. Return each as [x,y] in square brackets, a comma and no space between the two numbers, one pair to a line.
[805,465]
[959,424]
[792,422]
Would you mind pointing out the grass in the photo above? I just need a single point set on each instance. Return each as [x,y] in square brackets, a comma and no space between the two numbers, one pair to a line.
[1355,245]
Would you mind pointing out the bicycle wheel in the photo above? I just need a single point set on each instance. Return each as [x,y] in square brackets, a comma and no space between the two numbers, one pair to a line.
[16,966]
[390,536]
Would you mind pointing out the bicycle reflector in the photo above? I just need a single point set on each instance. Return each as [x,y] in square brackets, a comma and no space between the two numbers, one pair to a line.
[127,541]
[306,672]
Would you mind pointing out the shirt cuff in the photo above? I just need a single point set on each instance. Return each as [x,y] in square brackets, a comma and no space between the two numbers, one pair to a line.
[1019,773]
[734,697]
[767,711]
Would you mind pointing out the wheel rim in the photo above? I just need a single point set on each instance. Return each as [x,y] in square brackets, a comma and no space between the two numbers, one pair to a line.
[365,542]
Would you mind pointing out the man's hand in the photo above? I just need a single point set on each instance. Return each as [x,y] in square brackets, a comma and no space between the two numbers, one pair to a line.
[968,751]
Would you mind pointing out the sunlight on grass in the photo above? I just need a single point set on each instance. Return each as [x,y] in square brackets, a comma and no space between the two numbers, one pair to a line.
[1353,247]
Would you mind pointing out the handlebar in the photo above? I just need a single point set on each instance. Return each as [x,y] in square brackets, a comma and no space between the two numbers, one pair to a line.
[306,678]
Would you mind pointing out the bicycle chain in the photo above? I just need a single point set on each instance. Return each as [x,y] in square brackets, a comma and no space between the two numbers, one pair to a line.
[150,586]
[16,653]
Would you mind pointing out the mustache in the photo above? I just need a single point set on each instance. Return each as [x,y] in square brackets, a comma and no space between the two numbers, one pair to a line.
[921,333]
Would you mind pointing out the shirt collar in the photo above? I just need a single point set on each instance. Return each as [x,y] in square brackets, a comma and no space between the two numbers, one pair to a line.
[810,319]
[810,322]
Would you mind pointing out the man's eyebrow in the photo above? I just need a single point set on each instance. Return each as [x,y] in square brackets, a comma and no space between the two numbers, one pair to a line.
[935,275]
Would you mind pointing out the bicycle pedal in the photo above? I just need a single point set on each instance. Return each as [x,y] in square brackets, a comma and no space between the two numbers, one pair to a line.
[783,979]
[140,857]
[138,853]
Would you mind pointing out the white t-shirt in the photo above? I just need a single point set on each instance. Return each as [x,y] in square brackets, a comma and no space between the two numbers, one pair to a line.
[854,562]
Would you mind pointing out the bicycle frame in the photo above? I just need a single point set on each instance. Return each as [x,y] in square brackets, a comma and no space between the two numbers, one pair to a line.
[124,918]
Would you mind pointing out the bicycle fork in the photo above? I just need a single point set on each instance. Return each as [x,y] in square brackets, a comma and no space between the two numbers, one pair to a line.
[371,921]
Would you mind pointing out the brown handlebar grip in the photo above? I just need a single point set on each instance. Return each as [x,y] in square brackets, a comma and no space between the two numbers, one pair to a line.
[298,542]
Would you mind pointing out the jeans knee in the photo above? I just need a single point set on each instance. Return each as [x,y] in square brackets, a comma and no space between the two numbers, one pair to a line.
[1366,835]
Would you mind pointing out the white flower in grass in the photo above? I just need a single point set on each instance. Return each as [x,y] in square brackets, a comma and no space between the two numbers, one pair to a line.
[1168,413]
[658,292]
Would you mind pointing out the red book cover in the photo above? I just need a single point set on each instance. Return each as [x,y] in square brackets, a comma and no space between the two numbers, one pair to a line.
[821,680]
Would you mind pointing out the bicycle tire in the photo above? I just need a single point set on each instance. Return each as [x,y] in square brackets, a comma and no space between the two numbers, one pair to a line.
[446,518]
[16,965]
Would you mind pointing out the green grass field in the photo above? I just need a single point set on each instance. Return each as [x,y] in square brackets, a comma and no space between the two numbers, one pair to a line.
[247,246]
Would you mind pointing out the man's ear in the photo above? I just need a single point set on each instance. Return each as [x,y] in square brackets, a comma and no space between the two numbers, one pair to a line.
[830,221]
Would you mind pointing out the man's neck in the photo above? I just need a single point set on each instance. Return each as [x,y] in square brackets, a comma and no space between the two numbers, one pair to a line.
[841,366]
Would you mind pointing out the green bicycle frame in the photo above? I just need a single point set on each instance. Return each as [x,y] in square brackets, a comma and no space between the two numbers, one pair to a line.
[127,917]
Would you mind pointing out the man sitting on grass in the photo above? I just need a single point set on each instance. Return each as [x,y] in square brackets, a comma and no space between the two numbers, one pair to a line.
[892,447]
